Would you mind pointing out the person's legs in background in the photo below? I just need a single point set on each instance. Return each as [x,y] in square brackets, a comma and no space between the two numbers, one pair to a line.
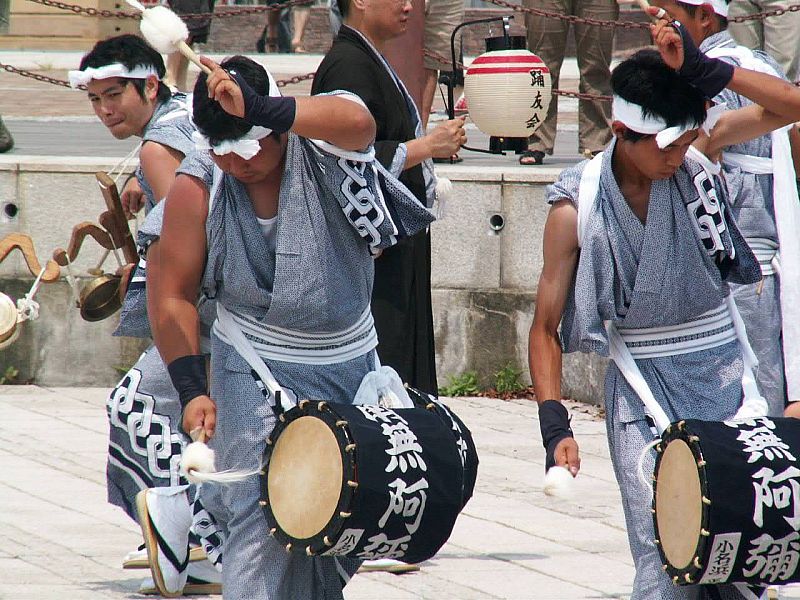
[747,33]
[441,18]
[780,38]
[547,38]
[594,47]
[300,16]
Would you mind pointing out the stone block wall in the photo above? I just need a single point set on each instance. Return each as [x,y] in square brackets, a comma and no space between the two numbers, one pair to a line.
[486,253]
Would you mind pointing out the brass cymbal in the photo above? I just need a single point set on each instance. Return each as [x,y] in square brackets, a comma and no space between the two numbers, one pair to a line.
[100,298]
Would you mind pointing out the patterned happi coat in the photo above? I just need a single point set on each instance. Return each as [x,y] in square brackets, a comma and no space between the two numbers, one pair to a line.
[666,271]
[754,210]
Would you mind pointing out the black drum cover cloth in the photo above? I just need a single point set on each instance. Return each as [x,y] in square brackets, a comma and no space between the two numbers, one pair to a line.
[727,501]
[405,476]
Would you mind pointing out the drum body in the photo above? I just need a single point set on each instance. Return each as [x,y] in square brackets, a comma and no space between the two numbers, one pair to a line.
[461,436]
[727,501]
[362,481]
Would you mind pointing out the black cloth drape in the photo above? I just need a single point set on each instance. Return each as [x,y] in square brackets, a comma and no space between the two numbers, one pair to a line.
[401,297]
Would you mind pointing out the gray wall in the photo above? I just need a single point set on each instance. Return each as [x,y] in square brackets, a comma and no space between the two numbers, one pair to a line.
[484,281]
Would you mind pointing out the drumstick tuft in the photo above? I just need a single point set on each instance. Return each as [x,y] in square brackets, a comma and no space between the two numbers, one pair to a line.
[559,483]
[166,32]
[197,465]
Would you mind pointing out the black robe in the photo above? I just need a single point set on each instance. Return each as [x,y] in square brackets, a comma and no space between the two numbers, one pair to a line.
[401,297]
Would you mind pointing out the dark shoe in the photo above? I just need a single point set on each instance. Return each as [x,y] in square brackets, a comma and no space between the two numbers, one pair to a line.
[531,157]
[6,141]
[449,161]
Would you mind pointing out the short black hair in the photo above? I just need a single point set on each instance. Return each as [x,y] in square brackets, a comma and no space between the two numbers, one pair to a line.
[210,118]
[344,7]
[646,80]
[692,9]
[131,51]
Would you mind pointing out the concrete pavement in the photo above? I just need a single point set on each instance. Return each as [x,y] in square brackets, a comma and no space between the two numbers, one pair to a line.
[62,540]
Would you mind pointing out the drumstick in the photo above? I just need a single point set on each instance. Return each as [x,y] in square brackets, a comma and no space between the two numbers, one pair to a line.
[198,434]
[644,4]
[166,32]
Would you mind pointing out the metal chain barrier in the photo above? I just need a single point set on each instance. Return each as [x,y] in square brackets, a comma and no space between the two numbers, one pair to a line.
[64,83]
[122,14]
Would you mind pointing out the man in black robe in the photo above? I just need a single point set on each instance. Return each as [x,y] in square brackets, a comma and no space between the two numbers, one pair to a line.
[401,297]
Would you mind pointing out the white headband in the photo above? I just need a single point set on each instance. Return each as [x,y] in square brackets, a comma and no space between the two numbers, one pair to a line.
[720,6]
[77,78]
[246,146]
[632,116]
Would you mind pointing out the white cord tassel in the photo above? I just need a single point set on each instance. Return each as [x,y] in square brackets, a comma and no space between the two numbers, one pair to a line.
[166,32]
[444,189]
[197,464]
[559,483]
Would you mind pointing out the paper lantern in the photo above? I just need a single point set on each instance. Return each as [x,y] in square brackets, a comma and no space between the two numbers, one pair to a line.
[507,92]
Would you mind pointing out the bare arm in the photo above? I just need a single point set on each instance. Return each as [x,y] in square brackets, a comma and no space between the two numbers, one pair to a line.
[339,121]
[544,346]
[352,128]
[158,166]
[174,268]
[560,260]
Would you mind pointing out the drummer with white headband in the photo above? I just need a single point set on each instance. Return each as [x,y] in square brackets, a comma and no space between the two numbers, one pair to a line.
[123,77]
[764,201]
[639,251]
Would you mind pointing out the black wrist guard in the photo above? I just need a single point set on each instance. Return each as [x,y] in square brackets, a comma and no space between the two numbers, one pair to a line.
[273,112]
[554,423]
[188,375]
[709,75]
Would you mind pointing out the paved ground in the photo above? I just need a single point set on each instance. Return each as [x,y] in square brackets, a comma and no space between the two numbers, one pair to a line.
[62,540]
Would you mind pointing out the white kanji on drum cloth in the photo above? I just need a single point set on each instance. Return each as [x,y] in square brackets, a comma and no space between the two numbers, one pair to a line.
[408,501]
[774,560]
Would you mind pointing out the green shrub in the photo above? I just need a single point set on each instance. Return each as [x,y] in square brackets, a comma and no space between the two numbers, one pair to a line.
[465,384]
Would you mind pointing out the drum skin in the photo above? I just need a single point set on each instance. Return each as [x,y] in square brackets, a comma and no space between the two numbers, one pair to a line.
[726,503]
[401,483]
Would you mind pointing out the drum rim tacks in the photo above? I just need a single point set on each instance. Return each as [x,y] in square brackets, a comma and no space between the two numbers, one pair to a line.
[321,541]
[691,572]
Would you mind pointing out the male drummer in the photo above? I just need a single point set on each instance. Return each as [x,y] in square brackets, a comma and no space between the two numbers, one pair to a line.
[658,249]
[261,219]
[757,172]
[123,77]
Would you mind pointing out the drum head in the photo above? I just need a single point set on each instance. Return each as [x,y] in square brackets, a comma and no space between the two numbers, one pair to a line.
[8,318]
[305,477]
[679,504]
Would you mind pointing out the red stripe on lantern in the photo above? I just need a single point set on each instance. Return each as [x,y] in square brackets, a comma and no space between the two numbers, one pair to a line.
[491,57]
[504,70]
